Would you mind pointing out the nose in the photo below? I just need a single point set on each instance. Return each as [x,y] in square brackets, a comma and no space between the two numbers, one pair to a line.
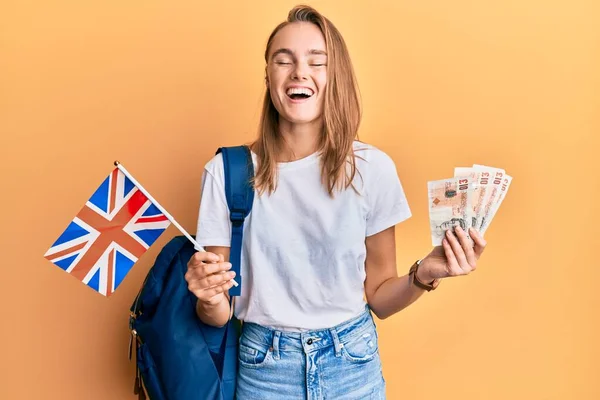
[300,71]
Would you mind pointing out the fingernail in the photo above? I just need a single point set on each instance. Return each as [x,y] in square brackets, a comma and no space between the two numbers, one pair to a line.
[229,265]
[231,274]
[459,229]
[448,233]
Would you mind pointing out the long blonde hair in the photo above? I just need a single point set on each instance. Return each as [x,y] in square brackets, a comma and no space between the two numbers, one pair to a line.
[341,113]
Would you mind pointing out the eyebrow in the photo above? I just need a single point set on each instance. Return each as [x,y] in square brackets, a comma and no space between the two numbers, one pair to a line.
[291,53]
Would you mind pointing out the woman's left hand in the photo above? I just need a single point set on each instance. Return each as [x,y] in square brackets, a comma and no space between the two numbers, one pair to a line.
[457,256]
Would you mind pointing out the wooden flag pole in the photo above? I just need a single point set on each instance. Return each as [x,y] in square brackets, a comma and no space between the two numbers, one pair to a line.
[157,204]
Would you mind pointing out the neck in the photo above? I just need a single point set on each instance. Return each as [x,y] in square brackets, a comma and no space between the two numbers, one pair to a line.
[298,140]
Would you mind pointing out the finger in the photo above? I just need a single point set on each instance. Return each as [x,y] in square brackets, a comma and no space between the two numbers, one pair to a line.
[459,254]
[200,274]
[479,241]
[208,294]
[203,285]
[467,246]
[454,269]
[216,279]
[210,269]
[200,258]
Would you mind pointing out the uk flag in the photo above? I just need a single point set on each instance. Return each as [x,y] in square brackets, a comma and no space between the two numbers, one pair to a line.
[109,234]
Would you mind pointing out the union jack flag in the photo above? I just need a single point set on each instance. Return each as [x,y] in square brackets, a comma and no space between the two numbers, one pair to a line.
[109,234]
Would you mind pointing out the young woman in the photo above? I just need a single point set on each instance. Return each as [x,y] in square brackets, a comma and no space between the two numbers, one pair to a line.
[319,246]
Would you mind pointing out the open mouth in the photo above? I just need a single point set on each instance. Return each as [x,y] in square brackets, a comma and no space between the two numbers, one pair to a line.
[299,93]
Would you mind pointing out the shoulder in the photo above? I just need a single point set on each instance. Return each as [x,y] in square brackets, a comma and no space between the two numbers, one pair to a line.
[214,167]
[372,158]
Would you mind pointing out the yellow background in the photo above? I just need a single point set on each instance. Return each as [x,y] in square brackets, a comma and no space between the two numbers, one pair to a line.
[160,85]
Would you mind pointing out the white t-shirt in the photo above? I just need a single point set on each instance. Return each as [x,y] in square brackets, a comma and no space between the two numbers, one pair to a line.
[303,253]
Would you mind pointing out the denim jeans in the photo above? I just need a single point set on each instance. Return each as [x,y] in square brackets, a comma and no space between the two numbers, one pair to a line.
[338,363]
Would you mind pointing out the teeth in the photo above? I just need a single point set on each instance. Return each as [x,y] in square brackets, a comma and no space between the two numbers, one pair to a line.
[305,91]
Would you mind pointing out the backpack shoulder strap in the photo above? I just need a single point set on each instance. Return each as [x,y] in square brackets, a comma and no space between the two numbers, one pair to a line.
[239,170]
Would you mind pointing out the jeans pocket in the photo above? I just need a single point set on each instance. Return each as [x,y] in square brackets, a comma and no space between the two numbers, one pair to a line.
[252,355]
[361,348]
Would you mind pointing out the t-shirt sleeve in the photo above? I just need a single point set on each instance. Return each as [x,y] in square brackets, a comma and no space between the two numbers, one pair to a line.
[387,201]
[214,226]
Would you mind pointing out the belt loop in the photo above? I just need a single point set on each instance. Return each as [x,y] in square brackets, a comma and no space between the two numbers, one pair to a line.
[276,337]
[336,343]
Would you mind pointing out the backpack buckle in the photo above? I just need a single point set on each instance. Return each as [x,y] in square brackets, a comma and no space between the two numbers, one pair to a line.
[237,218]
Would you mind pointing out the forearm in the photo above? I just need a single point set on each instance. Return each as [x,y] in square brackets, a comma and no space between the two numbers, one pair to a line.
[394,295]
[213,314]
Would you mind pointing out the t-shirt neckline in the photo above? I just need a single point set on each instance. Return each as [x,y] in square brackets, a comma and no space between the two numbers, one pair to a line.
[309,159]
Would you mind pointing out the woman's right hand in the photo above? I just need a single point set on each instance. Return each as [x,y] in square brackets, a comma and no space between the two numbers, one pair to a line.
[208,277]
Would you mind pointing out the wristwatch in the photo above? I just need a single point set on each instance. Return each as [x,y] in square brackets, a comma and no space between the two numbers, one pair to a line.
[412,274]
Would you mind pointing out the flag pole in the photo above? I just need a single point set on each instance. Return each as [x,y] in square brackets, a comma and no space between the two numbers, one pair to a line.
[157,204]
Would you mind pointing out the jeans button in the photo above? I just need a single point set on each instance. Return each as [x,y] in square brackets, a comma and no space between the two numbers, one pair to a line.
[309,341]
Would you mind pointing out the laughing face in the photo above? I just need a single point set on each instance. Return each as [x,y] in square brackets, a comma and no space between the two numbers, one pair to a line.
[297,73]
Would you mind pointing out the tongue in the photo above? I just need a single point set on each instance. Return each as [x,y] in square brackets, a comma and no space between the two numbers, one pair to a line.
[299,96]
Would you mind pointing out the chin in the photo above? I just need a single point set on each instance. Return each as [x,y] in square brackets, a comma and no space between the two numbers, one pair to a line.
[299,119]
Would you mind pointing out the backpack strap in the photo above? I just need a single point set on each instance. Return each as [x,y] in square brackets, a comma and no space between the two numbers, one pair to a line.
[239,170]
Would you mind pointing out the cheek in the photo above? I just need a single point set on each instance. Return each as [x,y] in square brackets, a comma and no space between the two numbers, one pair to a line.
[321,81]
[276,99]
[276,77]
[272,87]
[275,90]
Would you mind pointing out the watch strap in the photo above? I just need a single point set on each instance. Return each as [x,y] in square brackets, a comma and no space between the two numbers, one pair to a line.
[415,280]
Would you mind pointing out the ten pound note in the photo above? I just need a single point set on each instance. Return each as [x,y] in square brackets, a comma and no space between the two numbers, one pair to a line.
[470,199]
[449,206]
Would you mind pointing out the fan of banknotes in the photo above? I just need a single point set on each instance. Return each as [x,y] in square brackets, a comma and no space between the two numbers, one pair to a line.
[470,199]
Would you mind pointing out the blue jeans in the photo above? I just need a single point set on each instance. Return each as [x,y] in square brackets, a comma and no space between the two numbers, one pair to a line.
[338,363]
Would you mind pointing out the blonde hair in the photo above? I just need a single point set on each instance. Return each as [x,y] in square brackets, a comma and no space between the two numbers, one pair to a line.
[341,113]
